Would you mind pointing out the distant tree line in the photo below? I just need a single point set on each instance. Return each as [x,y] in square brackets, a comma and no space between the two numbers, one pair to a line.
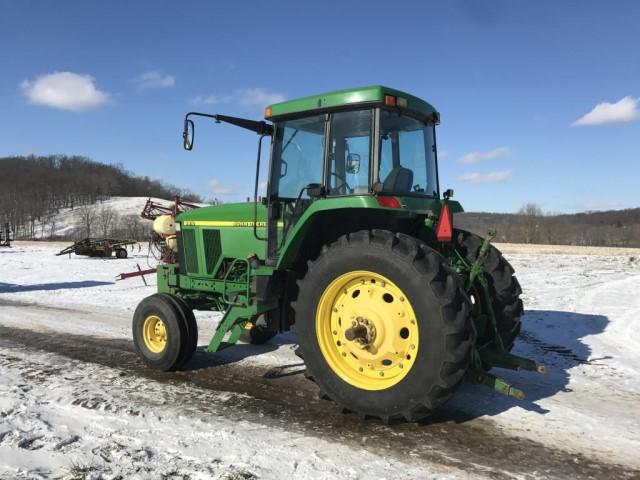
[614,228]
[34,188]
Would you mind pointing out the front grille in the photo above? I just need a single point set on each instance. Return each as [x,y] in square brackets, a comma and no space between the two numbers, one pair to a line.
[212,248]
[190,250]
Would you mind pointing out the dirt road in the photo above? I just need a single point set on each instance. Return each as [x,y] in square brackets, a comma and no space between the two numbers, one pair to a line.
[281,397]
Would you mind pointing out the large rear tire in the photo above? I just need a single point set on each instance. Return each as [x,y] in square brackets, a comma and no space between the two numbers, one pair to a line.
[504,288]
[383,325]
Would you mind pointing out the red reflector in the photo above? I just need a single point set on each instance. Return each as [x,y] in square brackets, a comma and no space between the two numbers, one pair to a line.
[391,202]
[390,100]
[444,230]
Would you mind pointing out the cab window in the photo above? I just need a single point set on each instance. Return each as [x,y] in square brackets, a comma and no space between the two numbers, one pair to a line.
[349,153]
[299,152]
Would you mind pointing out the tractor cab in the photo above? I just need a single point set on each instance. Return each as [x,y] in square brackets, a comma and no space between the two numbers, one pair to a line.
[329,150]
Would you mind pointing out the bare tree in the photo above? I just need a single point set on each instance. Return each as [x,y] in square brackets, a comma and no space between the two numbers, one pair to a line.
[532,230]
[52,227]
[85,220]
[107,219]
[134,227]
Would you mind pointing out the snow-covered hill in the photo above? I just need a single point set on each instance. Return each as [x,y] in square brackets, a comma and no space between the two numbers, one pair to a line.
[66,221]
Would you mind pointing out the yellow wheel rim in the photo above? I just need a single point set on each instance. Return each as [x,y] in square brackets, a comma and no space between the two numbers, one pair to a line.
[154,334]
[367,330]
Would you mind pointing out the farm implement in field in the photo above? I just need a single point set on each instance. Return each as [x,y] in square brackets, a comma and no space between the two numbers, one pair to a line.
[99,247]
[354,249]
[162,243]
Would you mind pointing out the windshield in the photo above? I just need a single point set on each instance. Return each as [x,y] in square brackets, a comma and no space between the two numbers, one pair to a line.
[407,155]
[298,155]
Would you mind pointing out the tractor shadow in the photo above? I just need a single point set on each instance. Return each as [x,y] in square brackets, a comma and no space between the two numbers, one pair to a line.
[230,354]
[15,288]
[551,338]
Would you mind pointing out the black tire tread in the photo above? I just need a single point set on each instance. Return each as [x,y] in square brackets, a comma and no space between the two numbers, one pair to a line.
[161,304]
[189,319]
[431,267]
[503,284]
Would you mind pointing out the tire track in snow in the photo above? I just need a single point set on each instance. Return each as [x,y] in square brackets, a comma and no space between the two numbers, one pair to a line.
[262,395]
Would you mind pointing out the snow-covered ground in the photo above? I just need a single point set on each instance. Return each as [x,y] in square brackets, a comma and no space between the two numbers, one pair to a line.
[62,416]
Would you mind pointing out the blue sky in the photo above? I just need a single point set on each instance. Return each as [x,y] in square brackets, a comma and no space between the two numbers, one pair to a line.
[510,78]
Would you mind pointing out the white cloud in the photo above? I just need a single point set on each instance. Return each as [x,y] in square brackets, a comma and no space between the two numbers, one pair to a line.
[154,79]
[64,90]
[492,177]
[218,188]
[476,157]
[443,154]
[258,97]
[624,110]
[211,99]
[248,97]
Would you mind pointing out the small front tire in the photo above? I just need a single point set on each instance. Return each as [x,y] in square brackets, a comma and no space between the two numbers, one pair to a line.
[159,333]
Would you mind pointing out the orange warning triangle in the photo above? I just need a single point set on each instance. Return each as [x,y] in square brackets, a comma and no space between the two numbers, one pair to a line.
[444,230]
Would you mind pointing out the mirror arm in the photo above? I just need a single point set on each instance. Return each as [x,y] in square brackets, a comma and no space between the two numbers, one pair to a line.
[259,127]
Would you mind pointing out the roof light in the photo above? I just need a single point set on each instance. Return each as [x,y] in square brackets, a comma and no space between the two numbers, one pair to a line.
[267,112]
[444,229]
[390,100]
[389,202]
[402,102]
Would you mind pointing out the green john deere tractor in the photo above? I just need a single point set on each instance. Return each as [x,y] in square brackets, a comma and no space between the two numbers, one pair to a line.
[354,249]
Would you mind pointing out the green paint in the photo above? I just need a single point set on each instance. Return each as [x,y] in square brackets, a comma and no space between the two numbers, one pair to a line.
[230,283]
[373,95]
[234,320]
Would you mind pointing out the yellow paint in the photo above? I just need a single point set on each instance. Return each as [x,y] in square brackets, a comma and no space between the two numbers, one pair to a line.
[364,297]
[154,334]
[232,223]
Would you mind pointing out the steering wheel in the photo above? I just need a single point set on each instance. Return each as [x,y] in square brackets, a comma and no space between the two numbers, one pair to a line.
[344,183]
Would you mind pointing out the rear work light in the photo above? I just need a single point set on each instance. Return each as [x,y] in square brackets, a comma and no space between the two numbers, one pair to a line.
[444,229]
[390,100]
[390,202]
[393,101]
[267,112]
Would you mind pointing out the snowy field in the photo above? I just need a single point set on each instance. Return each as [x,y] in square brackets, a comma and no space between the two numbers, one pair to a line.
[75,403]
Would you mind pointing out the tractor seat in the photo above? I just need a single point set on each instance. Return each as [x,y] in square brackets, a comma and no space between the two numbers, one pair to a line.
[400,179]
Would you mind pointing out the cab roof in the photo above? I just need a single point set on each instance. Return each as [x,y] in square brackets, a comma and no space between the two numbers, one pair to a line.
[350,97]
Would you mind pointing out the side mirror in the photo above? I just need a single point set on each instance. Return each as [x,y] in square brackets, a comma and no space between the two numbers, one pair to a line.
[188,134]
[353,163]
[448,194]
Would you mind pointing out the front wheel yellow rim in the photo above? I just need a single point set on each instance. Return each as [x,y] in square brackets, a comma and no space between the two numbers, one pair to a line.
[367,330]
[154,334]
